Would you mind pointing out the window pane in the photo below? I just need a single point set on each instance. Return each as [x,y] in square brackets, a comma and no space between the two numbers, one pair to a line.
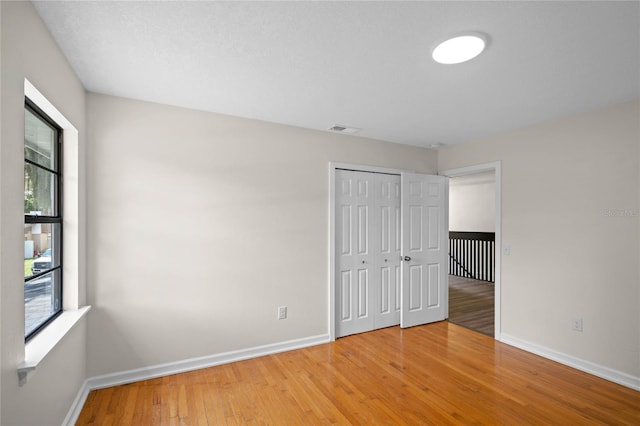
[41,247]
[43,221]
[39,141]
[39,191]
[41,300]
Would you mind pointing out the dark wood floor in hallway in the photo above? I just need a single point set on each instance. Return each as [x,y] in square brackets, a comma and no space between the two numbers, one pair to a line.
[471,304]
[435,374]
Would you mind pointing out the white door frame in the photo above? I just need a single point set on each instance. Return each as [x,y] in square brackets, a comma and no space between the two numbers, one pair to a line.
[332,228]
[496,167]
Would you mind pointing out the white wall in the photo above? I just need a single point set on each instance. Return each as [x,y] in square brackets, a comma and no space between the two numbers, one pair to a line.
[28,51]
[472,202]
[570,212]
[203,224]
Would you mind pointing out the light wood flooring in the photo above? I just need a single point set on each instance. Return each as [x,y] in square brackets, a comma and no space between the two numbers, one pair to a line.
[471,304]
[435,374]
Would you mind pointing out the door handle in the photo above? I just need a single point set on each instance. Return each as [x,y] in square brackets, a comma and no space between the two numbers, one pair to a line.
[406,258]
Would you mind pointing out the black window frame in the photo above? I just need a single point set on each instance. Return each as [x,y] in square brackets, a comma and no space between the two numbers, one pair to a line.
[56,170]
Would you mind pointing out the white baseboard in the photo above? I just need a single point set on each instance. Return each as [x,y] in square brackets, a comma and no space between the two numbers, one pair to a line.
[161,370]
[76,407]
[606,373]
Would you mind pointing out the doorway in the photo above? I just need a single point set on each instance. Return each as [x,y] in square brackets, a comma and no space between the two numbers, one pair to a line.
[472,251]
[475,286]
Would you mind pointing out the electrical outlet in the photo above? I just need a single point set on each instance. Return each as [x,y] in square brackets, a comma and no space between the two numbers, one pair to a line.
[282,312]
[576,324]
[506,249]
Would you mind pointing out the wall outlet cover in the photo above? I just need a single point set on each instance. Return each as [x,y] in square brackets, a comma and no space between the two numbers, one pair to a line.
[282,312]
[576,324]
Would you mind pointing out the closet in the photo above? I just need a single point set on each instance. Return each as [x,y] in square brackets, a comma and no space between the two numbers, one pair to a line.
[390,250]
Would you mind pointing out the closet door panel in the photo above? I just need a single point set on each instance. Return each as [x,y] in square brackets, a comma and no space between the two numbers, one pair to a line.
[387,250]
[355,272]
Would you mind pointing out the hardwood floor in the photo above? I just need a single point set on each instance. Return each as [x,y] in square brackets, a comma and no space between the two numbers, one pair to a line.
[439,373]
[471,304]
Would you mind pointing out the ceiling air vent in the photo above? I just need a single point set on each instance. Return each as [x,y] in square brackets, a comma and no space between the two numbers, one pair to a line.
[338,128]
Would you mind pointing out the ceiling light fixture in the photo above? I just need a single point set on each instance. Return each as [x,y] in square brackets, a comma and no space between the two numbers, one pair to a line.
[459,49]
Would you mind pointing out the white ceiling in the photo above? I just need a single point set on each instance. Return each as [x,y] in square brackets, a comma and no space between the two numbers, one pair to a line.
[360,64]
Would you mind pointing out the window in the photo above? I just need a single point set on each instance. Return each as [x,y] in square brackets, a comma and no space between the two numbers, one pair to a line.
[42,219]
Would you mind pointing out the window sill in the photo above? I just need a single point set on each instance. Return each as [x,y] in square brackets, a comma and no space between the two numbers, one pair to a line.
[39,346]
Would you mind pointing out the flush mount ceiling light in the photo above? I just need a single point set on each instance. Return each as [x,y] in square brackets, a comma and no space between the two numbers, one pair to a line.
[459,49]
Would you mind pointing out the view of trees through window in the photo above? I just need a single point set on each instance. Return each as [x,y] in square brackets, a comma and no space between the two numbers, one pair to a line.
[43,220]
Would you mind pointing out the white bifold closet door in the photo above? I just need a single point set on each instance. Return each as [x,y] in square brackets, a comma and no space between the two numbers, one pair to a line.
[425,249]
[381,243]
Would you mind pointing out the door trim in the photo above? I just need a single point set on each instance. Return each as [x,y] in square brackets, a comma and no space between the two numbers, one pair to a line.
[496,167]
[332,228]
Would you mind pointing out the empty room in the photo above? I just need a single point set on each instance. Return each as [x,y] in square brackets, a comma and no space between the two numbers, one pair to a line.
[251,213]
